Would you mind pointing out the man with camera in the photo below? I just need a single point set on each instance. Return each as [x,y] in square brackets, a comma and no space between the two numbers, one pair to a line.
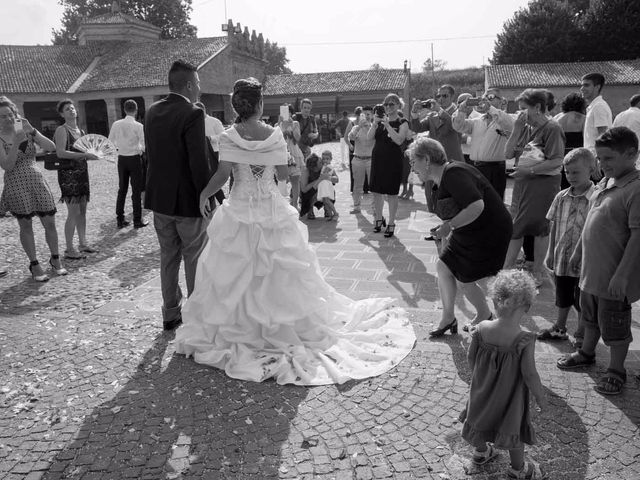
[438,121]
[489,134]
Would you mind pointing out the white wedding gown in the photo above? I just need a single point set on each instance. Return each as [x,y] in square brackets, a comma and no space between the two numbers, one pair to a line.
[261,308]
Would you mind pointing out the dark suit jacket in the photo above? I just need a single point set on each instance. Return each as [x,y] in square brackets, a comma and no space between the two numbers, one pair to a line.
[440,128]
[178,164]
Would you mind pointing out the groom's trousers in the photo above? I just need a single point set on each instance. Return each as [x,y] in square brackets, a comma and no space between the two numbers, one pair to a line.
[180,238]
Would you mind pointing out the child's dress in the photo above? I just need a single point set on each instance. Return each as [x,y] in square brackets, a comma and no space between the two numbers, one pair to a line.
[325,187]
[498,406]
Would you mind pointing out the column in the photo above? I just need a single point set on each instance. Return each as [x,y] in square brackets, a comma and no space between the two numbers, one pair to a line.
[113,110]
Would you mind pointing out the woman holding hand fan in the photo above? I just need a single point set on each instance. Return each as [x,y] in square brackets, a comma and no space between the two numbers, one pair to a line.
[74,182]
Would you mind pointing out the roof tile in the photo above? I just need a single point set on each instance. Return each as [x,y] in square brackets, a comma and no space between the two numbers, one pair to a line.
[145,64]
[531,75]
[42,69]
[330,82]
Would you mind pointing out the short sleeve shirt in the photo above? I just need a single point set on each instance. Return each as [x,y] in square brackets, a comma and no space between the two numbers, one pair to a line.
[614,211]
[598,115]
[568,212]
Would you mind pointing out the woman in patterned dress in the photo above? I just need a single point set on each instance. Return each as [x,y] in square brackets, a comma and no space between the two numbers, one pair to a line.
[26,192]
[74,182]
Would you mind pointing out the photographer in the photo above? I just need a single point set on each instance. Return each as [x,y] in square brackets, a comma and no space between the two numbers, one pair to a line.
[489,134]
[389,131]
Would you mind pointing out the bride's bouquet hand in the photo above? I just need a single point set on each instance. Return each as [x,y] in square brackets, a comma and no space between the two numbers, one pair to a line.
[206,205]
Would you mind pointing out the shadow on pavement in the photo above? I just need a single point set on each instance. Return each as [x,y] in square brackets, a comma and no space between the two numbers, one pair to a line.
[563,440]
[393,253]
[175,419]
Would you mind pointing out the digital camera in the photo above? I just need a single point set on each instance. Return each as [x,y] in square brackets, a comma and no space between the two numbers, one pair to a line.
[379,111]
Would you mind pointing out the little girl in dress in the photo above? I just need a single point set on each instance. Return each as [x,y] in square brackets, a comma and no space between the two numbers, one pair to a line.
[326,190]
[501,357]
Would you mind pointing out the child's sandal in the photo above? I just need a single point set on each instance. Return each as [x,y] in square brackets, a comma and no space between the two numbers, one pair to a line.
[529,471]
[611,383]
[480,458]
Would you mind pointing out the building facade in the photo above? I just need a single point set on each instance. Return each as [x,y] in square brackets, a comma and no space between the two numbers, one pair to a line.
[119,57]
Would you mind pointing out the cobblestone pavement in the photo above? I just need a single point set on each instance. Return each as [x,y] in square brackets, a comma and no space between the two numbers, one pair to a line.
[91,388]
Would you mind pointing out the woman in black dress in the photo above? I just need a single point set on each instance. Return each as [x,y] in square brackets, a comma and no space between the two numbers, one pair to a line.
[571,119]
[475,234]
[74,182]
[390,132]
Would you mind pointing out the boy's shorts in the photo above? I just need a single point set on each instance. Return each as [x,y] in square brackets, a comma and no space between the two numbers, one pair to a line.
[611,317]
[567,292]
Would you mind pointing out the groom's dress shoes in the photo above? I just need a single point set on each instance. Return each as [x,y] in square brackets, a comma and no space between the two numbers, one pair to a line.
[172,324]
[140,224]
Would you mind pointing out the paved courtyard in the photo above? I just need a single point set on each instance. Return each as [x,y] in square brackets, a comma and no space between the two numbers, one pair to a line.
[91,387]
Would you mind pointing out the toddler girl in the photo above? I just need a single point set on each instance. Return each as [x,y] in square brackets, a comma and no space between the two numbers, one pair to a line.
[326,190]
[501,357]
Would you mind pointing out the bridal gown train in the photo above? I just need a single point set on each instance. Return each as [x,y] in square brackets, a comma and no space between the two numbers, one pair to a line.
[261,307]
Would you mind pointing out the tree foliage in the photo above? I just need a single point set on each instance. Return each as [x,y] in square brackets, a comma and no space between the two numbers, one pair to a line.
[277,59]
[438,64]
[569,31]
[424,85]
[172,16]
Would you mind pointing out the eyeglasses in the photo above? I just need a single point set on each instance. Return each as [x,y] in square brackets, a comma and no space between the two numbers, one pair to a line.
[442,95]
[491,96]
[388,104]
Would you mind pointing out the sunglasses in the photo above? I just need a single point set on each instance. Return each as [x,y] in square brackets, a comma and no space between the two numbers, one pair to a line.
[388,104]
[491,96]
[442,95]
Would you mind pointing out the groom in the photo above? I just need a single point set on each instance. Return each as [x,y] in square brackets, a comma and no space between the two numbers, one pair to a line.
[178,170]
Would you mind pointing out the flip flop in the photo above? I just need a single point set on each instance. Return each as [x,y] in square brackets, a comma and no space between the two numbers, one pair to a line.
[78,256]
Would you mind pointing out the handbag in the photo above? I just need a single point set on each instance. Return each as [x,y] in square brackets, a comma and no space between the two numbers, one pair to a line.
[52,162]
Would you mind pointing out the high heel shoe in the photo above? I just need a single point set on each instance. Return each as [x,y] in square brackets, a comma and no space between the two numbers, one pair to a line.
[58,271]
[379,225]
[453,326]
[391,228]
[37,278]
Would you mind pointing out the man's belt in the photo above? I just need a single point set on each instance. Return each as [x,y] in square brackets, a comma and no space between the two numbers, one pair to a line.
[476,163]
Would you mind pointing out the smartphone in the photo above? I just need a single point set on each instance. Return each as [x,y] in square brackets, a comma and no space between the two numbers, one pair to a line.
[473,102]
[284,112]
[17,124]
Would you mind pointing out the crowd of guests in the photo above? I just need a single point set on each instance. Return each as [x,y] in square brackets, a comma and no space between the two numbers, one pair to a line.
[587,235]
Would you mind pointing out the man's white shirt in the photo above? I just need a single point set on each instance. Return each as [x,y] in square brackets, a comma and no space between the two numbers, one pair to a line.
[598,115]
[128,136]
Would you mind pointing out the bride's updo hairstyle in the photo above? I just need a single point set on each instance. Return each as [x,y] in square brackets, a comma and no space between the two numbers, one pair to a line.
[246,96]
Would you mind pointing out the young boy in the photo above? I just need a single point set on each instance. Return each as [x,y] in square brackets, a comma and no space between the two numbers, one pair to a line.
[567,215]
[610,250]
[326,191]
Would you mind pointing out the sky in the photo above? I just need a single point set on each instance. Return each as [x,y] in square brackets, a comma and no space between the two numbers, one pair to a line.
[324,35]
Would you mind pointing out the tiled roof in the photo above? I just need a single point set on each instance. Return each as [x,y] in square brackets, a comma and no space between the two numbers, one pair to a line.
[115,18]
[54,68]
[135,65]
[616,72]
[331,82]
[42,69]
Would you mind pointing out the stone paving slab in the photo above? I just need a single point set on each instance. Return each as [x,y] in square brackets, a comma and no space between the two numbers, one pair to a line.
[91,387]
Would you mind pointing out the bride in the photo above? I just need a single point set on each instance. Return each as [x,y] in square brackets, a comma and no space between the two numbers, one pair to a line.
[261,308]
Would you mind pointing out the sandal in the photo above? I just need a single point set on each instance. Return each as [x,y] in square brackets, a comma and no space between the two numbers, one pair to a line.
[611,383]
[529,471]
[574,360]
[480,458]
[87,249]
